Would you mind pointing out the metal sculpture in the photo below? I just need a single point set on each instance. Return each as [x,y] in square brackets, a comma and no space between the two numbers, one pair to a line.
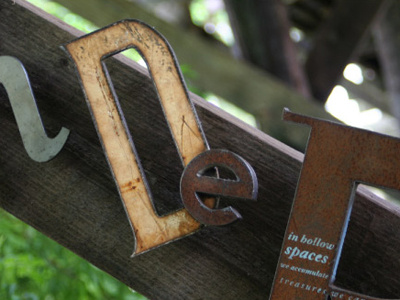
[337,159]
[37,144]
[88,52]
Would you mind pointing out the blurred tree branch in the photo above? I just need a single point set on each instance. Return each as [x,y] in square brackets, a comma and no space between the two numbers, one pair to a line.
[261,29]
[387,35]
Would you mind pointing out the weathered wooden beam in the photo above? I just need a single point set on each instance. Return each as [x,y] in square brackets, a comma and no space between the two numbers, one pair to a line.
[73,198]
[261,31]
[336,42]
[248,87]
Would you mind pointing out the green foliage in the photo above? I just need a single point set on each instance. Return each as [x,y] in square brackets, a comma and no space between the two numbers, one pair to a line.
[212,16]
[199,12]
[64,14]
[231,108]
[34,267]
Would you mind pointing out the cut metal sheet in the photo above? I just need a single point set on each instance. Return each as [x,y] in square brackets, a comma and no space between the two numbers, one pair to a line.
[88,52]
[337,159]
[194,181]
[37,144]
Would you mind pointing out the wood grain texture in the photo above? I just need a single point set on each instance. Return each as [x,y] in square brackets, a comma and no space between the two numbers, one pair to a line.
[73,198]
